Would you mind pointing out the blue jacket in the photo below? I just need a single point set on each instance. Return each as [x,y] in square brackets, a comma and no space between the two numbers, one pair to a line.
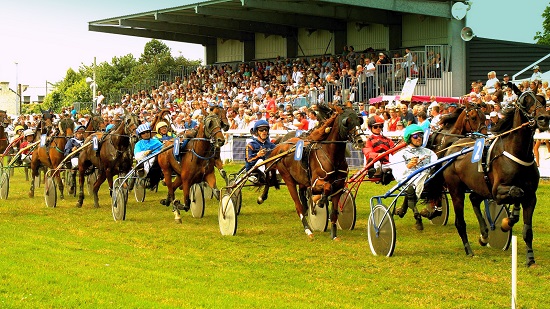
[152,144]
[252,150]
[73,142]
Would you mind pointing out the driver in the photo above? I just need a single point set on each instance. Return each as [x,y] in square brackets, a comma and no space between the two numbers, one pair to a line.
[29,138]
[404,163]
[257,149]
[162,132]
[73,144]
[145,146]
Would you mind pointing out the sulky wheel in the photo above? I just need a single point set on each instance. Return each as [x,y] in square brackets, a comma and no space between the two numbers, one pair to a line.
[381,231]
[497,238]
[118,203]
[4,185]
[139,190]
[444,218]
[197,200]
[317,216]
[347,211]
[50,192]
[227,218]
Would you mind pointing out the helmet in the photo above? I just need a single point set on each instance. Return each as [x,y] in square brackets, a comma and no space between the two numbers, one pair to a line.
[375,120]
[160,125]
[536,67]
[80,128]
[260,123]
[109,127]
[410,130]
[28,132]
[17,128]
[143,128]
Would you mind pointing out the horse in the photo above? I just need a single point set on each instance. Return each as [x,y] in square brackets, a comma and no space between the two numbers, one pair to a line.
[4,122]
[323,167]
[95,124]
[52,153]
[470,119]
[510,175]
[196,165]
[115,155]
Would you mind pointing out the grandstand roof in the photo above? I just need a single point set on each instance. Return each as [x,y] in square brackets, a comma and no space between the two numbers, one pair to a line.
[203,22]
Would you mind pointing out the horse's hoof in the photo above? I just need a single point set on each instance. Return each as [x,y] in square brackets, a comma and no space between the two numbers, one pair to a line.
[532,264]
[178,221]
[310,237]
[78,205]
[164,202]
[483,241]
[506,226]
[260,200]
[62,197]
[31,194]
[337,239]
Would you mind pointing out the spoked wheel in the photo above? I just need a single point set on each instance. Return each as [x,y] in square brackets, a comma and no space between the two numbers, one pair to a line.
[227,218]
[317,216]
[91,180]
[4,185]
[237,197]
[381,231]
[50,192]
[197,200]
[497,238]
[118,203]
[347,211]
[139,190]
[444,218]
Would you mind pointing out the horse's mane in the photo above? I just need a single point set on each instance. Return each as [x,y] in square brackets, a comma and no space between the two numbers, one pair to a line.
[450,119]
[321,133]
[65,124]
[506,122]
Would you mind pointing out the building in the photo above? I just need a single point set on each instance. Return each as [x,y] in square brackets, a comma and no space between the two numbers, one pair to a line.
[8,98]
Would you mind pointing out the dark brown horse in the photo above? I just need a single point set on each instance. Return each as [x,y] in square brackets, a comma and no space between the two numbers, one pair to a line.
[114,156]
[471,119]
[510,176]
[323,168]
[95,124]
[51,154]
[196,165]
[4,122]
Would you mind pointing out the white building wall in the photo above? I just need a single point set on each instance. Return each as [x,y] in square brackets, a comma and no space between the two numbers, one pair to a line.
[363,36]
[420,30]
[315,43]
[270,46]
[7,98]
[230,50]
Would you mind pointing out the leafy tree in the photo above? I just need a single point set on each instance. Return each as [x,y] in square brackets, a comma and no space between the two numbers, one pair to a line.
[543,38]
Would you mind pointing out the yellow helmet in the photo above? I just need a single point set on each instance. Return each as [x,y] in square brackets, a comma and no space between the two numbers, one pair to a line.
[17,128]
[160,125]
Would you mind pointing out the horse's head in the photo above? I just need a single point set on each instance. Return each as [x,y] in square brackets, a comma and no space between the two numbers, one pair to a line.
[130,122]
[66,126]
[47,119]
[349,127]
[213,131]
[474,119]
[222,115]
[533,107]
[96,123]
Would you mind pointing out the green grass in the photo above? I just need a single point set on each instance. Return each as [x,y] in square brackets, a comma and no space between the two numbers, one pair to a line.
[67,257]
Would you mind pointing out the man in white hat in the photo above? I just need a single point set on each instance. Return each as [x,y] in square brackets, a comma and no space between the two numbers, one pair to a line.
[536,74]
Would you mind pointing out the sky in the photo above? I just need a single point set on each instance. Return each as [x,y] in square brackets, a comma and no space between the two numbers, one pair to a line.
[46,38]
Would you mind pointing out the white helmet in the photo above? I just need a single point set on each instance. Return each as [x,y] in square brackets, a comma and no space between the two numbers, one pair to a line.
[28,132]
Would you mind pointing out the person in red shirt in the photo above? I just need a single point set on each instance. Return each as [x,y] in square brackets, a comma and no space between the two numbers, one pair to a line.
[302,124]
[271,106]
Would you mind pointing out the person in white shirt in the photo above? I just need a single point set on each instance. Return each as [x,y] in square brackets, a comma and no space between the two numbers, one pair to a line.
[537,75]
[491,80]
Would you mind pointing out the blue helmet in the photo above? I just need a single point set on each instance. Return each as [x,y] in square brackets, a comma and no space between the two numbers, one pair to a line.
[109,127]
[410,130]
[143,128]
[260,123]
[80,128]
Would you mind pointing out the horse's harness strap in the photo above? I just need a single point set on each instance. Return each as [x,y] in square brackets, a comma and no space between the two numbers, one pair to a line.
[516,159]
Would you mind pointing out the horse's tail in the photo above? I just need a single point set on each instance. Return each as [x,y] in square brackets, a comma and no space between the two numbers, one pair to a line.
[434,187]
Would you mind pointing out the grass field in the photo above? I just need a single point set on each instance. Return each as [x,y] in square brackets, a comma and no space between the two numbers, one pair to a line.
[69,257]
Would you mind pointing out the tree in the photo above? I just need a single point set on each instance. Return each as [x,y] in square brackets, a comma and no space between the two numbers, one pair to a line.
[543,38]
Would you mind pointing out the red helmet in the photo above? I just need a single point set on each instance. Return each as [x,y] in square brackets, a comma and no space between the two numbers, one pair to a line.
[375,120]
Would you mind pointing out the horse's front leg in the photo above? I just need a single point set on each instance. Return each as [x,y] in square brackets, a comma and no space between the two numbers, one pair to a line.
[168,181]
[300,207]
[528,210]
[210,179]
[219,166]
[334,217]
[100,179]
[476,200]
[458,205]
[57,178]
[80,186]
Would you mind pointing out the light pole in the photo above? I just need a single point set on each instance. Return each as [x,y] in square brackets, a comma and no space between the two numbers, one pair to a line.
[93,85]
[17,90]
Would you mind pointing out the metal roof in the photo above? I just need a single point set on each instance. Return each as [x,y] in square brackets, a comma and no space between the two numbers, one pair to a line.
[204,21]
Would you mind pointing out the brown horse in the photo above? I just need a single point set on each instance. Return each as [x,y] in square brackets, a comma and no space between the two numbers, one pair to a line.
[510,175]
[471,119]
[197,163]
[95,124]
[4,122]
[323,167]
[114,156]
[52,153]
